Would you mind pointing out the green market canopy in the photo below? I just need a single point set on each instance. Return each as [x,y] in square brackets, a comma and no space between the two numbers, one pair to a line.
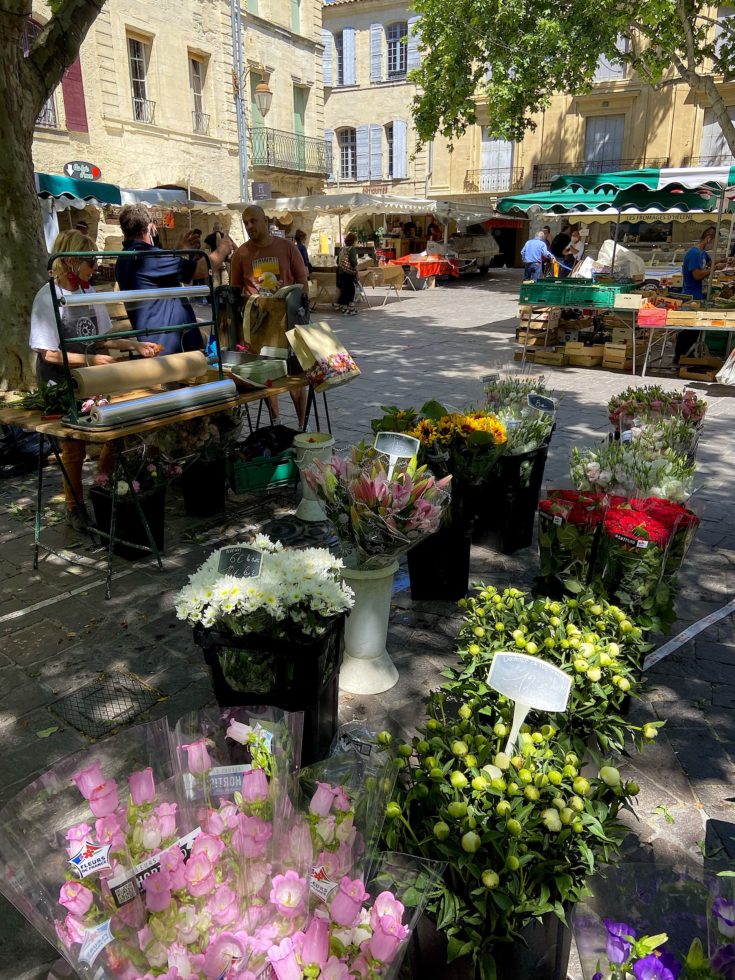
[633,200]
[651,179]
[77,193]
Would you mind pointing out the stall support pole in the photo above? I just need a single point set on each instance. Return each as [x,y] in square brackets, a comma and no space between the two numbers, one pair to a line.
[720,209]
[615,244]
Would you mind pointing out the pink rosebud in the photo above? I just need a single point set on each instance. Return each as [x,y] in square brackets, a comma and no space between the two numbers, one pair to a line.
[142,787]
[289,893]
[199,877]
[198,757]
[166,816]
[254,786]
[315,950]
[75,898]
[157,887]
[103,799]
[321,801]
[283,960]
[347,901]
[89,779]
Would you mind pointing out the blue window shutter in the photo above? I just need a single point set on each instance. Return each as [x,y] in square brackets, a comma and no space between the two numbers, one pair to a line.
[413,54]
[348,55]
[327,57]
[329,140]
[376,52]
[363,152]
[376,151]
[400,168]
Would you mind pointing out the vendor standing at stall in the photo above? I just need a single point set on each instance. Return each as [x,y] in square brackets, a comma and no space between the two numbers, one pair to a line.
[533,254]
[72,275]
[695,270]
[266,259]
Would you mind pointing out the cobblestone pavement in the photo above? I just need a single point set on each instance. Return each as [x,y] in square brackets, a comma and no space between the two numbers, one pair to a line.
[58,633]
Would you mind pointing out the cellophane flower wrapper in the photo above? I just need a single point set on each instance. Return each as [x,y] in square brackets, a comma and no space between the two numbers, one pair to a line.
[377,519]
[681,521]
[721,925]
[72,842]
[343,801]
[628,470]
[237,778]
[568,532]
[633,559]
[465,446]
[511,394]
[653,401]
[363,929]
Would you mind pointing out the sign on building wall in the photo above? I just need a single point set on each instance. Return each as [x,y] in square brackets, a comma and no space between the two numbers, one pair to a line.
[261,190]
[80,170]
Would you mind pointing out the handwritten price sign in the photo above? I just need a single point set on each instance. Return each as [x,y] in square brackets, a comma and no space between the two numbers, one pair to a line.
[241,562]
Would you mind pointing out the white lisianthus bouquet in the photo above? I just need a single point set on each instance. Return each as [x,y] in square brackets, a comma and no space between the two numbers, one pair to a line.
[296,592]
[632,469]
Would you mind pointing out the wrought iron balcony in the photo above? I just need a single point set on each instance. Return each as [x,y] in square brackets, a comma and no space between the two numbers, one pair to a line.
[46,118]
[502,179]
[717,160]
[274,149]
[144,110]
[544,173]
[200,122]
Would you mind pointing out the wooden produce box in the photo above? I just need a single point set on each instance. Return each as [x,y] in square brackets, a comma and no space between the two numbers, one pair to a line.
[619,357]
[537,338]
[711,318]
[706,361]
[581,356]
[696,373]
[628,301]
[530,356]
[557,356]
[585,360]
[539,314]
[681,318]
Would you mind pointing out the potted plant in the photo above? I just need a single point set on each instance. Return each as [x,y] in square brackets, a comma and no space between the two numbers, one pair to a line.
[377,517]
[275,637]
[142,489]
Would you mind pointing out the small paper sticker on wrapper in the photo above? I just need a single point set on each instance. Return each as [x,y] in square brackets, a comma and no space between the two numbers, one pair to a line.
[320,883]
[94,942]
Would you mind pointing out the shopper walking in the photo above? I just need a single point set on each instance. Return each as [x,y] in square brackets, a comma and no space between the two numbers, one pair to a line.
[347,275]
[533,254]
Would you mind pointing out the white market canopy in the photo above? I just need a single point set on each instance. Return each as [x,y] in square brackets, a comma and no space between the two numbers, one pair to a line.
[171,199]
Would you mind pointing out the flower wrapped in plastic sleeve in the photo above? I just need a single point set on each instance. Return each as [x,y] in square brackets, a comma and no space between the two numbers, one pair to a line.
[568,532]
[681,521]
[378,518]
[634,549]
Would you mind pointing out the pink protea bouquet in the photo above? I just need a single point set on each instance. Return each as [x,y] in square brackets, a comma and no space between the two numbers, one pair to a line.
[378,518]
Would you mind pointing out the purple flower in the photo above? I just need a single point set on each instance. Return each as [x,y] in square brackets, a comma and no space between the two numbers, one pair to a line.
[652,967]
[723,912]
[723,961]
[618,947]
[142,786]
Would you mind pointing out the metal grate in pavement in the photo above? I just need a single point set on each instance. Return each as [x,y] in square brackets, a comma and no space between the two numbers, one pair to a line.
[295,533]
[99,708]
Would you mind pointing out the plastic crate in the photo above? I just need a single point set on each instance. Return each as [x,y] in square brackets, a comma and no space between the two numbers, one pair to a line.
[572,293]
[262,473]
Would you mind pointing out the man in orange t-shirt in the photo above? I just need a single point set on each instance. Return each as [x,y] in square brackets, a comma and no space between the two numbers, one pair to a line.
[261,266]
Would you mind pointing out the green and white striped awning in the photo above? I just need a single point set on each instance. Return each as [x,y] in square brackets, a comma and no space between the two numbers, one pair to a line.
[612,202]
[652,179]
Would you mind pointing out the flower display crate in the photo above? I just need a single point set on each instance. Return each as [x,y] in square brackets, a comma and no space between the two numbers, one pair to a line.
[263,473]
[292,674]
[507,505]
[129,529]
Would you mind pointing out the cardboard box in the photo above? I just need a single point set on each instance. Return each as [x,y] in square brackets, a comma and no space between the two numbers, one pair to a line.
[555,356]
[628,301]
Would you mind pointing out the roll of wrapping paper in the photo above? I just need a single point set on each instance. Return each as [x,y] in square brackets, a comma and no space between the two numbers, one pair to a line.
[144,372]
[165,403]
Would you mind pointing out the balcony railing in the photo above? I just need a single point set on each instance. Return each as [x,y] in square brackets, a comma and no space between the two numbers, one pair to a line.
[718,160]
[200,122]
[277,150]
[544,173]
[144,110]
[502,179]
[46,118]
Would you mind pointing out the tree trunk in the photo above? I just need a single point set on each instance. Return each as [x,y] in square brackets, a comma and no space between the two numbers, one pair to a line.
[22,248]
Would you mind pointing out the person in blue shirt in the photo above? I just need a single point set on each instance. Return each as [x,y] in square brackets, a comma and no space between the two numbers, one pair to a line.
[533,254]
[148,268]
[695,269]
[300,240]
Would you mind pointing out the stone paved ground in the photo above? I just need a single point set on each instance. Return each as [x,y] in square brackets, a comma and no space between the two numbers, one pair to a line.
[57,633]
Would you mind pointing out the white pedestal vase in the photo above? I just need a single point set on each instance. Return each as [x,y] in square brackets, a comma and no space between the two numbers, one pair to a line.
[367,668]
[309,447]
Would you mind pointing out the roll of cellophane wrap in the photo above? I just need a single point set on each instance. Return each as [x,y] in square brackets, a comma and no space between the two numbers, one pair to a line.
[144,372]
[165,403]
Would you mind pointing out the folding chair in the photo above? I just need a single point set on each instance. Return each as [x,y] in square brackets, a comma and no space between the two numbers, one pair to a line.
[360,294]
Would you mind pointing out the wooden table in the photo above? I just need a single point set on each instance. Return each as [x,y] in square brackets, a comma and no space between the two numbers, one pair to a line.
[55,430]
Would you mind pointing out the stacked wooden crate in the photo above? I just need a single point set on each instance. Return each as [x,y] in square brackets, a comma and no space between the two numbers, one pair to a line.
[537,326]
[583,355]
[619,356]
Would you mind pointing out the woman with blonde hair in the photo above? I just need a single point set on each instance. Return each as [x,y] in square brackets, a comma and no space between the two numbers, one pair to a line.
[71,275]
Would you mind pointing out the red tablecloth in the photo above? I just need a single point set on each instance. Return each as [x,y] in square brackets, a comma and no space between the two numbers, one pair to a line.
[430,267]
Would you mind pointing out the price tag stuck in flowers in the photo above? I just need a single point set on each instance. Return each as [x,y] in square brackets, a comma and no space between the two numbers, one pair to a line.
[531,683]
[541,403]
[488,379]
[241,562]
[396,446]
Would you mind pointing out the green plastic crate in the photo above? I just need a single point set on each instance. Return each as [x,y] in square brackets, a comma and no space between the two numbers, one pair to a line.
[573,292]
[263,473]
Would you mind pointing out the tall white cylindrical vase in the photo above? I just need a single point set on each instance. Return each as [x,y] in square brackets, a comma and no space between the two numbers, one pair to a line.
[309,447]
[367,668]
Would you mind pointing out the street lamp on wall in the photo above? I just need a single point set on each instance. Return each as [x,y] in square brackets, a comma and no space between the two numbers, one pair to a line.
[263,98]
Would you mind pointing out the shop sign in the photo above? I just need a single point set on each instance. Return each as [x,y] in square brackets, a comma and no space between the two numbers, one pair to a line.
[81,170]
[261,190]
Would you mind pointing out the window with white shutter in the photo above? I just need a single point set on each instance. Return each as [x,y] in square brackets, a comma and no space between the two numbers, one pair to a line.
[389,143]
[496,163]
[327,57]
[363,152]
[376,52]
[400,155]
[347,140]
[376,151]
[348,56]
[396,42]
[605,70]
[714,149]
[413,54]
[603,143]
[329,140]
